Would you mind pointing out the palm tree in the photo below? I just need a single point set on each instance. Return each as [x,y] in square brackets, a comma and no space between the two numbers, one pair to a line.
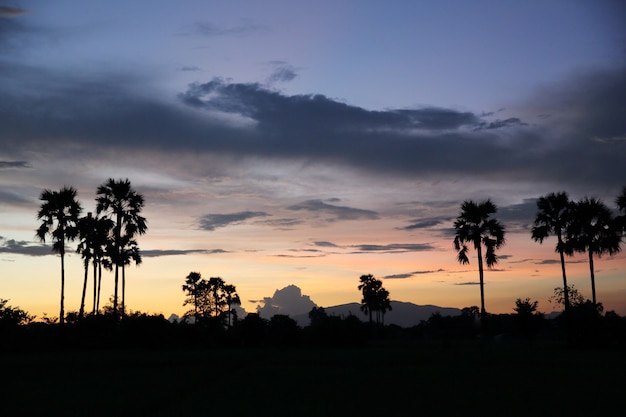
[101,244]
[192,285]
[621,205]
[593,230]
[383,303]
[129,253]
[122,204]
[368,287]
[231,298]
[552,218]
[86,233]
[60,208]
[476,226]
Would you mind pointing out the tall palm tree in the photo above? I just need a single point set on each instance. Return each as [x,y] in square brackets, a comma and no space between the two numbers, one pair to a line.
[231,298]
[368,286]
[60,208]
[86,234]
[553,217]
[101,244]
[475,225]
[130,253]
[593,230]
[118,201]
[621,205]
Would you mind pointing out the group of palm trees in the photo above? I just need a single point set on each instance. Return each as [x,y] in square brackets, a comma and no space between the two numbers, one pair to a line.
[585,226]
[106,240]
[212,298]
[375,298]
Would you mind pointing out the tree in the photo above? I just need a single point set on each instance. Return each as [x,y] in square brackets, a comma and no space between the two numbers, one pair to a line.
[528,320]
[101,244]
[553,217]
[59,217]
[475,225]
[592,230]
[375,298]
[192,285]
[129,253]
[621,205]
[118,201]
[86,233]
[12,316]
[232,298]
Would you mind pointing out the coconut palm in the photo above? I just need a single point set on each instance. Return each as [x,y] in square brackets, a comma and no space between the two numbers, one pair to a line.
[101,245]
[130,253]
[368,287]
[475,225]
[231,298]
[118,201]
[86,233]
[60,209]
[593,230]
[552,219]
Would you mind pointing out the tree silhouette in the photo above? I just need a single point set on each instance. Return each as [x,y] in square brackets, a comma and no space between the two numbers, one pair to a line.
[621,205]
[192,284]
[86,234]
[60,209]
[118,201]
[101,245]
[476,226]
[592,230]
[232,298]
[553,217]
[375,298]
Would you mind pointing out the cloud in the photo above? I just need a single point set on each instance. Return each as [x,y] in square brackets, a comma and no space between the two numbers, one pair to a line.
[211,222]
[174,252]
[210,30]
[468,283]
[412,274]
[395,247]
[6,12]
[22,247]
[427,223]
[325,244]
[282,72]
[13,164]
[338,212]
[289,301]
[250,120]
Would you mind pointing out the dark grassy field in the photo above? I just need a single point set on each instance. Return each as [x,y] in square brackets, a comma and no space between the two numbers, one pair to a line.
[427,379]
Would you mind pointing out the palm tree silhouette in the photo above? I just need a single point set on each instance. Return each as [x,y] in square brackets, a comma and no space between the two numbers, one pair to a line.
[476,226]
[86,233]
[553,218]
[593,230]
[129,253]
[375,298]
[621,205]
[231,298]
[60,208]
[122,204]
[101,245]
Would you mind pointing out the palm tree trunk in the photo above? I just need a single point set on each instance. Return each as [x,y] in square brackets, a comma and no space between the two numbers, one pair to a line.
[95,284]
[593,279]
[62,312]
[481,276]
[81,311]
[123,289]
[565,288]
[99,283]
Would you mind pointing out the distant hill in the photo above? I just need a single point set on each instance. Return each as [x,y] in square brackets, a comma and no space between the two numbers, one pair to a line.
[402,314]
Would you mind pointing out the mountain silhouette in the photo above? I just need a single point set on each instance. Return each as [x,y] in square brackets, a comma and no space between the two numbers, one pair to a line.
[403,314]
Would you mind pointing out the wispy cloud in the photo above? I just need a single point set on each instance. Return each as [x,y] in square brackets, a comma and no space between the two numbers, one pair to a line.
[211,222]
[337,212]
[414,273]
[22,247]
[395,247]
[151,253]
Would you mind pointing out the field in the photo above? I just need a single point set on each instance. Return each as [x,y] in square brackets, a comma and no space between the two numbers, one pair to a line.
[428,379]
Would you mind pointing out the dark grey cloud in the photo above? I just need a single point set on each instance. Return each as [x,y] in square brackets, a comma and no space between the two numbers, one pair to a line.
[152,253]
[211,222]
[395,247]
[337,212]
[13,164]
[468,283]
[289,301]
[325,244]
[191,68]
[414,273]
[427,223]
[281,72]
[586,130]
[6,11]
[22,247]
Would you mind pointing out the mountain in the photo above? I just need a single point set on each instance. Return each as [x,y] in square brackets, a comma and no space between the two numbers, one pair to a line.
[402,314]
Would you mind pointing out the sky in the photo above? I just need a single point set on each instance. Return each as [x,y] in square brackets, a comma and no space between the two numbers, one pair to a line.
[291,147]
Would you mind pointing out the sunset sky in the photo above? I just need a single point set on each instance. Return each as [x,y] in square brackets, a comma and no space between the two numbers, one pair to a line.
[308,143]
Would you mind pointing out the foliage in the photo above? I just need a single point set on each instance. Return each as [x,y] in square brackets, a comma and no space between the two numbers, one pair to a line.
[210,298]
[375,298]
[59,213]
[13,316]
[476,226]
